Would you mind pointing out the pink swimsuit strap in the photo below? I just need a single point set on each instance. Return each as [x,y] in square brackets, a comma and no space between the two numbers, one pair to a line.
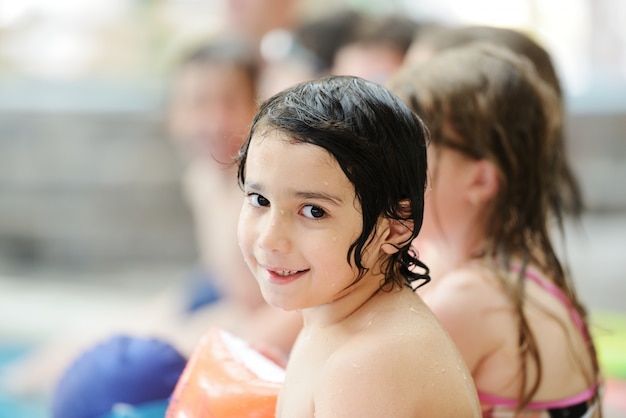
[578,321]
[558,293]
[586,395]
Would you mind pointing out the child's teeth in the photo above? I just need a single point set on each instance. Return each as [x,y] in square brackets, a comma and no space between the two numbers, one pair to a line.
[286,273]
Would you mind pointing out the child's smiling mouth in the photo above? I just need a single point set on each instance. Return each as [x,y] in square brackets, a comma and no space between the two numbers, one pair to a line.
[282,276]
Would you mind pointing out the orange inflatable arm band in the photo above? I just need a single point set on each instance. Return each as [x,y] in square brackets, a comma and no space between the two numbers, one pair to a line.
[226,378]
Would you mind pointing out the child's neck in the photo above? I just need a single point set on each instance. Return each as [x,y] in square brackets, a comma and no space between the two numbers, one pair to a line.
[351,303]
[444,255]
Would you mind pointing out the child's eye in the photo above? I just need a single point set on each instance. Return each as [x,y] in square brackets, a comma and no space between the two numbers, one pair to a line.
[313,212]
[257,200]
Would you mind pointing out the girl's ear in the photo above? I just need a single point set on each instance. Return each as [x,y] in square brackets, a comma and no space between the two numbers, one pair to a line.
[484,182]
[398,230]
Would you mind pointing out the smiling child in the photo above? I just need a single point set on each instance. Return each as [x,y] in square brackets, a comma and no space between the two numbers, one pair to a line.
[334,173]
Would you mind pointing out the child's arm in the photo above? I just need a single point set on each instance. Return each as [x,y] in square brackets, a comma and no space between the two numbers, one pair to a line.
[273,331]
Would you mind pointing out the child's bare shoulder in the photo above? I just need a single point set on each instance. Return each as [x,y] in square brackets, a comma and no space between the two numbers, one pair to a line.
[466,290]
[474,309]
[473,277]
[404,370]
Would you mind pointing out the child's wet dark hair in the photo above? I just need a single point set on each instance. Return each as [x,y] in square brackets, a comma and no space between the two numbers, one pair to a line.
[380,145]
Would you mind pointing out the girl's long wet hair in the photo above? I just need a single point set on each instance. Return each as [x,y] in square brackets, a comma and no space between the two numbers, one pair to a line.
[564,190]
[498,108]
[380,145]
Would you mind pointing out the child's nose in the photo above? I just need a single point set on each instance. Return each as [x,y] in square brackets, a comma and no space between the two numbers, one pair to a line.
[275,233]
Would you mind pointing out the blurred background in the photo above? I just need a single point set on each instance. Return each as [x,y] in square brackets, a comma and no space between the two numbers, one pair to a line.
[92,217]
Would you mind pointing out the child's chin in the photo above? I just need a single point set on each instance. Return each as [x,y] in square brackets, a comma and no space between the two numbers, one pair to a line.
[280,303]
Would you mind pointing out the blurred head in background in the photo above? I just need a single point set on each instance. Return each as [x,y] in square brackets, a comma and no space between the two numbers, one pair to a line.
[375,47]
[324,35]
[254,18]
[212,99]
[565,195]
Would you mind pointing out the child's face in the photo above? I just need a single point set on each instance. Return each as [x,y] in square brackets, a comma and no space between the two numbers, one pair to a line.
[212,107]
[298,220]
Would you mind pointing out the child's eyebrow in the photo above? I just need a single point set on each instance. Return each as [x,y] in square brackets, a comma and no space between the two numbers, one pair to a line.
[257,188]
[318,196]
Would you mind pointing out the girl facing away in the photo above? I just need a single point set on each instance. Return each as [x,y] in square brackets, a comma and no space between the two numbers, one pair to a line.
[334,172]
[499,288]
[565,194]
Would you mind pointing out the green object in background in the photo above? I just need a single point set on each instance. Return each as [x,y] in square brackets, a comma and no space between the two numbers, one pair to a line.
[609,335]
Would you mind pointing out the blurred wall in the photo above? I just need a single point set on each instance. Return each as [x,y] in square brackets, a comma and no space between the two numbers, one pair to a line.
[597,148]
[90,189]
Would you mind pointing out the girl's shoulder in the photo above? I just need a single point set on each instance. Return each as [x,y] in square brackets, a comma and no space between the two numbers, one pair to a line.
[473,307]
[471,286]
[422,362]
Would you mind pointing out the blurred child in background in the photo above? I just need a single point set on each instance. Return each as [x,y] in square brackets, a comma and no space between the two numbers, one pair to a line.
[212,100]
[498,286]
[565,194]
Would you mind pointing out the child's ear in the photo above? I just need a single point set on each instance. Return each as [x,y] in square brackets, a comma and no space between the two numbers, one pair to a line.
[484,182]
[398,230]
